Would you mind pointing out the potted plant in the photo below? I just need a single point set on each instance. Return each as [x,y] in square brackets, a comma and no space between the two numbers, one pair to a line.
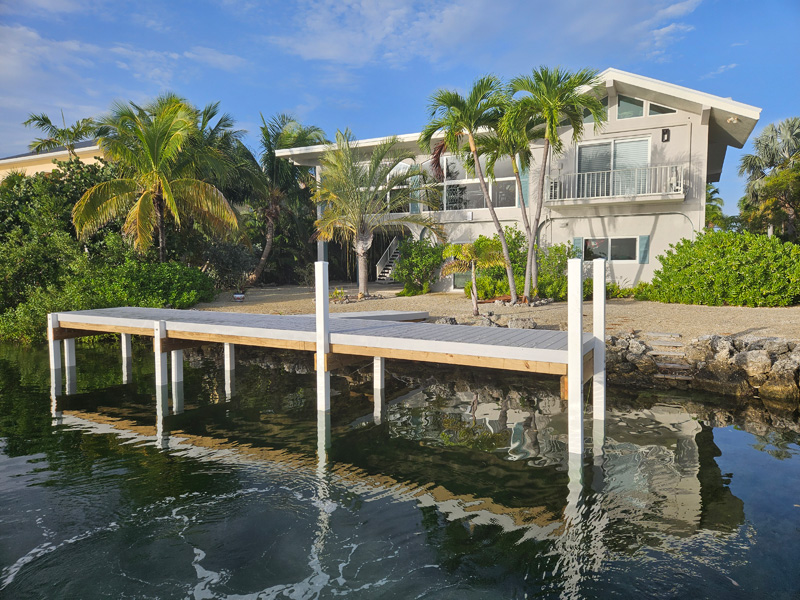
[240,287]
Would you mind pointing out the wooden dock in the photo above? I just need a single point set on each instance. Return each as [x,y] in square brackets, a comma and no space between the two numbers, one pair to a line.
[339,339]
[531,350]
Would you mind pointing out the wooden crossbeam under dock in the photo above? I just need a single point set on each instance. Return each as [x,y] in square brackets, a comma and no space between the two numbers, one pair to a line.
[529,350]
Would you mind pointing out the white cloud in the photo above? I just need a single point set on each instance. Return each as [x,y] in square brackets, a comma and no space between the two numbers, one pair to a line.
[215,58]
[719,70]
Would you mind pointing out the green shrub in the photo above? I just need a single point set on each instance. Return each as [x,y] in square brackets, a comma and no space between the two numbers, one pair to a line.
[418,265]
[88,286]
[553,270]
[723,267]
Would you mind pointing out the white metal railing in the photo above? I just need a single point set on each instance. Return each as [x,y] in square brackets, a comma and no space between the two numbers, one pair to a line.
[669,179]
[384,260]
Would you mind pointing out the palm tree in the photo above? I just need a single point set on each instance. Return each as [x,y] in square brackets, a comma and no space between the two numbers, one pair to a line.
[363,194]
[556,97]
[459,117]
[714,215]
[159,158]
[57,137]
[513,143]
[467,258]
[284,181]
[777,148]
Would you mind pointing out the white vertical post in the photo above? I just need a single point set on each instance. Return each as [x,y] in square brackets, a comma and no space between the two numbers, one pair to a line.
[575,355]
[599,327]
[378,388]
[70,366]
[127,357]
[177,381]
[159,333]
[55,356]
[230,366]
[323,336]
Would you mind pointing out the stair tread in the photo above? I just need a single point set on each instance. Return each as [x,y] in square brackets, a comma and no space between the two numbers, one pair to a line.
[675,377]
[669,344]
[679,366]
[663,335]
[665,353]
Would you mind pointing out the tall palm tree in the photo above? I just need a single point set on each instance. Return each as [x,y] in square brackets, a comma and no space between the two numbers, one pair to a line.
[714,214]
[159,160]
[511,142]
[557,97]
[284,181]
[465,258]
[56,137]
[364,193]
[460,117]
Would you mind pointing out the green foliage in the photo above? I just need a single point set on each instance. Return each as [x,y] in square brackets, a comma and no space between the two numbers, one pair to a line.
[728,268]
[418,265]
[132,283]
[553,270]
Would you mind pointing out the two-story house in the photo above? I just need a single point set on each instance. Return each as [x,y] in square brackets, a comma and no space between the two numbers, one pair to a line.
[625,193]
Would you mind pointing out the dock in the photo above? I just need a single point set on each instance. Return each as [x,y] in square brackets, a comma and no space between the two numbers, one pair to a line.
[339,339]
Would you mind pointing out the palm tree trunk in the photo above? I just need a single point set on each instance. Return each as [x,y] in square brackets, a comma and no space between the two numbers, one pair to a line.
[262,263]
[363,274]
[162,235]
[500,233]
[526,295]
[475,311]
[534,264]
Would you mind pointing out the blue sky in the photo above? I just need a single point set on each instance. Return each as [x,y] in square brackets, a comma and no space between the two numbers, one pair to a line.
[371,64]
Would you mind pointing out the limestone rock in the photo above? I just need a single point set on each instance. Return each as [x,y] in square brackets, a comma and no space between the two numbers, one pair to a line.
[636,347]
[644,364]
[486,322]
[446,321]
[776,347]
[753,362]
[721,378]
[781,384]
[521,323]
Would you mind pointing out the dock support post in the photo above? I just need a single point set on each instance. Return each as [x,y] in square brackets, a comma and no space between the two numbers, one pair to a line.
[230,366]
[55,356]
[162,385]
[379,389]
[177,381]
[599,328]
[127,358]
[323,336]
[70,366]
[575,355]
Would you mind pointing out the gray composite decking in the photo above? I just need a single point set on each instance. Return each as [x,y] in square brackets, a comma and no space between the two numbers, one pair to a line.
[356,336]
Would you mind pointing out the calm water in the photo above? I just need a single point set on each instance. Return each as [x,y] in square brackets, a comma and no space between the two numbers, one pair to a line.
[463,491]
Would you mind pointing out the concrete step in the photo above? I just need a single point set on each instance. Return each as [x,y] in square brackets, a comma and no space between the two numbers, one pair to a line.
[666,344]
[672,377]
[666,353]
[661,335]
[674,366]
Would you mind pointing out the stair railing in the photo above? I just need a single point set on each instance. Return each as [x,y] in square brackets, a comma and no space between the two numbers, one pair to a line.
[384,260]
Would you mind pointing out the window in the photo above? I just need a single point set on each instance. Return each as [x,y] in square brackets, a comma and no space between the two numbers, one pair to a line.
[657,109]
[587,116]
[628,108]
[610,248]
[617,167]
[462,189]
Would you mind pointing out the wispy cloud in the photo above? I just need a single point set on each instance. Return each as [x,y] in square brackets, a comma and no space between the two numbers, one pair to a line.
[719,71]
[215,58]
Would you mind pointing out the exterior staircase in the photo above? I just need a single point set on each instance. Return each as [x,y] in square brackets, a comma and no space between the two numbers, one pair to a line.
[668,352]
[385,265]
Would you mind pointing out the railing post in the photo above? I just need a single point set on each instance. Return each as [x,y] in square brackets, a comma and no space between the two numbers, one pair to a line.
[575,355]
[599,327]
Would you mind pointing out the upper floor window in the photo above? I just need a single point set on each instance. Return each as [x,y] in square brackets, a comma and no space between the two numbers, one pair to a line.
[462,189]
[628,108]
[657,109]
[587,116]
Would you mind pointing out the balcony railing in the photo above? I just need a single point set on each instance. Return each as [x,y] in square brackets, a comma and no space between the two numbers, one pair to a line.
[645,181]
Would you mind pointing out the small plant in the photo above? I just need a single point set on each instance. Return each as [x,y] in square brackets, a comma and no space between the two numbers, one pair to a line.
[242,283]
[418,265]
[337,294]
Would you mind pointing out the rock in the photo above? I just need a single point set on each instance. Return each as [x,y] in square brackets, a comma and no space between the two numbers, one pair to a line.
[636,347]
[644,364]
[699,350]
[781,384]
[721,378]
[486,322]
[776,347]
[446,321]
[521,323]
[753,362]
[723,348]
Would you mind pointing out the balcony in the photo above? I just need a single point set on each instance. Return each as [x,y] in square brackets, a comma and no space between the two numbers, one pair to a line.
[655,184]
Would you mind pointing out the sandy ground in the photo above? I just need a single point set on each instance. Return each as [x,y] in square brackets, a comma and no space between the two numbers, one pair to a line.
[622,314]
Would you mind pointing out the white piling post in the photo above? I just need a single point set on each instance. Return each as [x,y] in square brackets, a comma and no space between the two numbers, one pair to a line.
[575,355]
[599,327]
[177,381]
[323,336]
[379,388]
[55,356]
[127,357]
[70,366]
[159,334]
[230,367]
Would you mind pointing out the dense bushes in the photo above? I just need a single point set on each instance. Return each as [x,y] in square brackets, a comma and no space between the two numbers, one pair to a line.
[722,267]
[418,265]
